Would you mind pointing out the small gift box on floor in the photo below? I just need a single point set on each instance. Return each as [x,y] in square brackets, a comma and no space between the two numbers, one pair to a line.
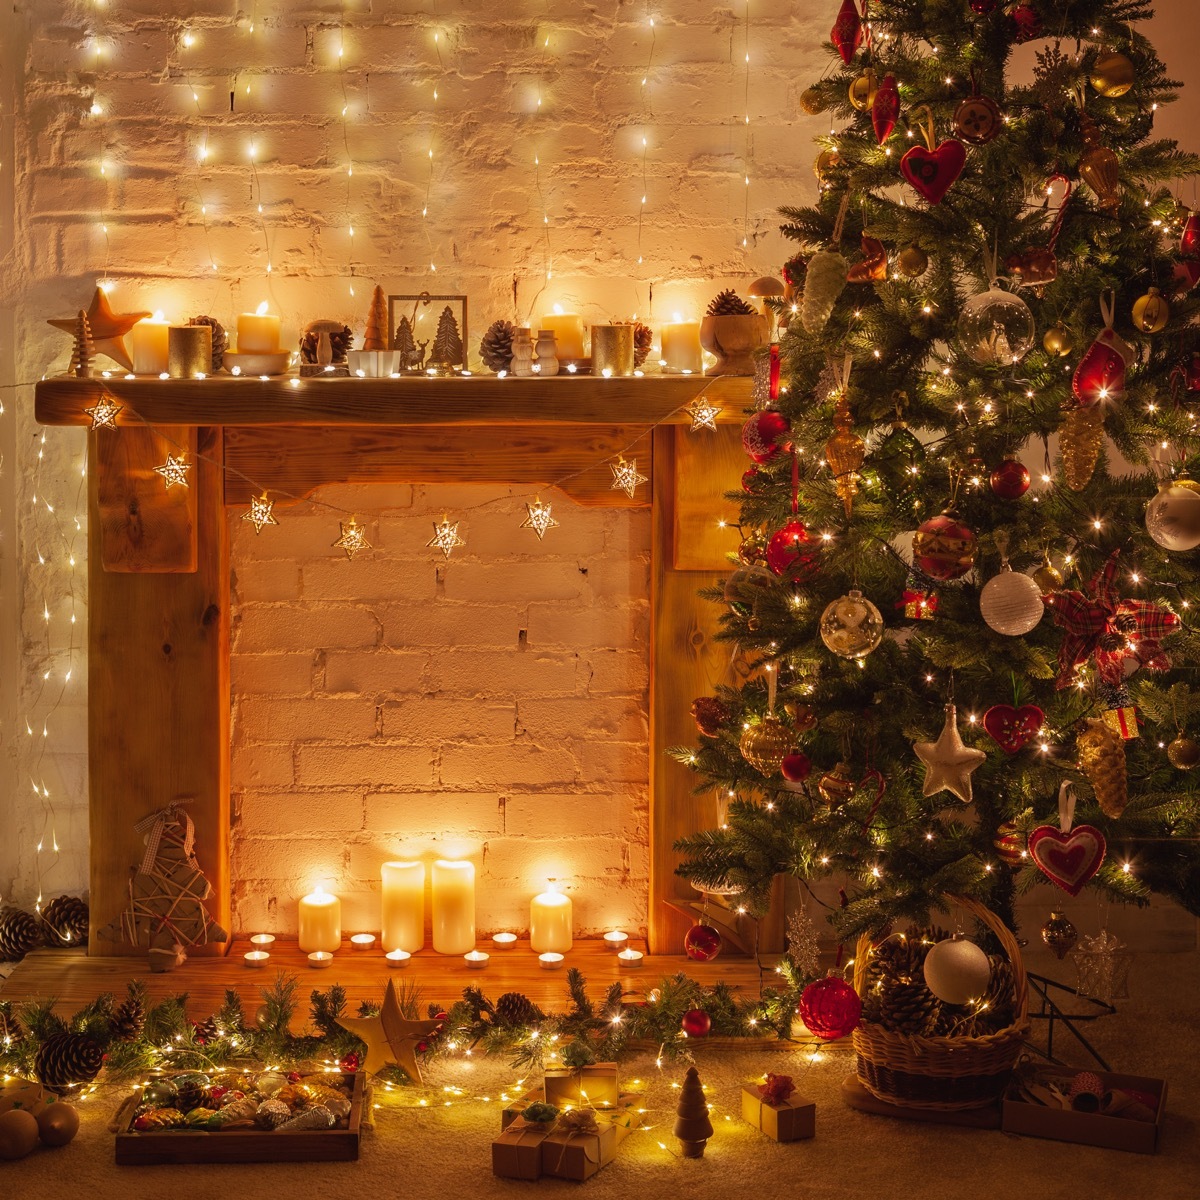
[517,1152]
[595,1085]
[776,1109]
[582,1142]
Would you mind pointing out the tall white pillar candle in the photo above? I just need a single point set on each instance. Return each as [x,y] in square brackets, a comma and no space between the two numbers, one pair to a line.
[403,923]
[320,922]
[550,926]
[453,906]
[681,349]
[150,355]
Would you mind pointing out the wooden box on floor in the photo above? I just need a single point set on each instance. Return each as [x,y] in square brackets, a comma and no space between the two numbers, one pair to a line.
[171,1146]
[792,1121]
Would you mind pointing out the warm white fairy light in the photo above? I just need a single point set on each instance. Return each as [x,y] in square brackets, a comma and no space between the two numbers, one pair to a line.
[261,513]
[748,145]
[174,471]
[445,537]
[352,538]
[539,186]
[345,119]
[626,477]
[104,413]
[646,112]
[539,518]
[704,415]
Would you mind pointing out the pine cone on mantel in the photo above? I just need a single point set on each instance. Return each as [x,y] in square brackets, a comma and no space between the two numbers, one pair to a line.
[496,347]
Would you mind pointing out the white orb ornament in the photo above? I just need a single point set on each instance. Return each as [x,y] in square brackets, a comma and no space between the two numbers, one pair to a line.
[851,626]
[1011,603]
[957,970]
[1173,516]
[996,328]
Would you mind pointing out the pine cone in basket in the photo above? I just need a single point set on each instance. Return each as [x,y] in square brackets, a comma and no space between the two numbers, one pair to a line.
[908,1006]
[65,921]
[129,1019]
[729,304]
[220,339]
[66,1060]
[643,339]
[515,1010]
[19,933]
[496,347]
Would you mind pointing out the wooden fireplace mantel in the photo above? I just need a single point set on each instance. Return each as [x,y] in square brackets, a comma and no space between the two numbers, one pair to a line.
[158,563]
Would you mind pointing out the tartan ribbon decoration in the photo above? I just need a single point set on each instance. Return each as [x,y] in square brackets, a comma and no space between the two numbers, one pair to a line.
[156,822]
[1100,625]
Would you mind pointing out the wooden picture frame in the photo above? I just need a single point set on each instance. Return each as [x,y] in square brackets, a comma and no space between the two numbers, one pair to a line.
[422,314]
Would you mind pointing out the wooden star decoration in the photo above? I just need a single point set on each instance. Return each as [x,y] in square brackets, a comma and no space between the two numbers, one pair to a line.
[390,1038]
[703,414]
[626,477]
[539,519]
[948,763]
[174,471]
[108,328]
[352,538]
[445,536]
[261,513]
[104,413]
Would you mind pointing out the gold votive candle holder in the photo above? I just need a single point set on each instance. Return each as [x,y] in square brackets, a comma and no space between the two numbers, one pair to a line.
[612,350]
[189,351]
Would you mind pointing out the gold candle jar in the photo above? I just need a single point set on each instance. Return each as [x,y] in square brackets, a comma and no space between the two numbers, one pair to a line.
[612,349]
[189,351]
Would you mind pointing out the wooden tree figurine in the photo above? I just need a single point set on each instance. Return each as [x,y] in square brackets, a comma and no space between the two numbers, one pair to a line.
[83,352]
[447,349]
[376,336]
[406,346]
[692,1126]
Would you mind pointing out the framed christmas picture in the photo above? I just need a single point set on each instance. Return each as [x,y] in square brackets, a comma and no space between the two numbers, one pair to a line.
[429,333]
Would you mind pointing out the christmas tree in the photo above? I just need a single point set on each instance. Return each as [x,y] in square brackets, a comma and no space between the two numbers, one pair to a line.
[941,658]
[692,1125]
[447,343]
[375,337]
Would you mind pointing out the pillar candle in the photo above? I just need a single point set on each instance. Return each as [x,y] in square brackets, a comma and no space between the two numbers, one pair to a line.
[453,907]
[258,332]
[403,923]
[568,333]
[320,922]
[150,354]
[550,922]
[681,346]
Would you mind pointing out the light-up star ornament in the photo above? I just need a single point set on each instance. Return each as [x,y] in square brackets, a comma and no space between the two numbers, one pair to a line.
[261,513]
[539,519]
[703,414]
[353,538]
[174,471]
[445,537]
[108,328]
[104,413]
[948,763]
[626,477]
[389,1037]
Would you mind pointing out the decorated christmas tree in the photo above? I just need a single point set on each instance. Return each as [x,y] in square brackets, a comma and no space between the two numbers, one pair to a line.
[966,576]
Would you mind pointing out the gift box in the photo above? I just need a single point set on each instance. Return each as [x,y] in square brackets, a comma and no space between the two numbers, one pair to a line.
[517,1152]
[625,1115]
[576,1154]
[791,1120]
[594,1085]
[22,1093]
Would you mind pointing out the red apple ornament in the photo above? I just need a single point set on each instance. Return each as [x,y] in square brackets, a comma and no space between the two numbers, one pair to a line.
[796,767]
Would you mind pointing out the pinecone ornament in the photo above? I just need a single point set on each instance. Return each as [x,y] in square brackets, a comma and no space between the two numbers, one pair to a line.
[129,1020]
[65,921]
[908,1006]
[710,715]
[67,1060]
[1102,759]
[516,1010]
[19,933]
[1080,439]
[643,339]
[10,1028]
[496,347]
[207,1031]
[220,339]
[728,304]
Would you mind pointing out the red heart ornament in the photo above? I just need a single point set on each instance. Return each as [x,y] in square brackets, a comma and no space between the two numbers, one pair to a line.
[1011,728]
[1068,860]
[932,172]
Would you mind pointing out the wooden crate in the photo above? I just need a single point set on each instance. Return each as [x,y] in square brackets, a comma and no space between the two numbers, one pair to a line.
[171,1146]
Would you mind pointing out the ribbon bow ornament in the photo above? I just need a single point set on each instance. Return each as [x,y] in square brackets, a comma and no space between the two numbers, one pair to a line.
[578,1121]
[776,1090]
[154,826]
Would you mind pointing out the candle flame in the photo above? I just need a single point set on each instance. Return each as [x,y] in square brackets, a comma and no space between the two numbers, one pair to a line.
[157,319]
[261,310]
[558,310]
[678,318]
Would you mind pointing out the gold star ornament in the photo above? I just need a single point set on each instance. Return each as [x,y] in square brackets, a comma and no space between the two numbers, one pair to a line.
[108,328]
[948,763]
[352,538]
[539,519]
[174,471]
[703,414]
[104,413]
[626,477]
[390,1038]
[445,537]
[261,513]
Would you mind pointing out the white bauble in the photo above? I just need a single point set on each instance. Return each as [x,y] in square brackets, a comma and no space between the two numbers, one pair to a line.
[1173,516]
[851,626]
[996,328]
[1011,603]
[957,970]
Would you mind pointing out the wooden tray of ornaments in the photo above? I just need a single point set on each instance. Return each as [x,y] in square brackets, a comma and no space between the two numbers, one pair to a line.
[170,1146]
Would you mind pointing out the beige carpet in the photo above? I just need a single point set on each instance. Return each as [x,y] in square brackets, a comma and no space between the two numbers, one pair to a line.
[444,1153]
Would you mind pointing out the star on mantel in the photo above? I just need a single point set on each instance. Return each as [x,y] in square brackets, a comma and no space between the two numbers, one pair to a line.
[174,471]
[948,763]
[104,413]
[352,538]
[108,328]
[445,537]
[626,477]
[261,513]
[703,414]
[539,519]
[389,1037]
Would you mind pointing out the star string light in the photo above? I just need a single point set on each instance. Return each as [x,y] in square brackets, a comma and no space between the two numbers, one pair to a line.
[539,519]
[261,513]
[703,414]
[174,471]
[104,413]
[352,539]
[626,477]
[445,537]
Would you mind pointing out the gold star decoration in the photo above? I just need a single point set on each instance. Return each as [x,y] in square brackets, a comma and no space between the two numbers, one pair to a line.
[948,763]
[539,519]
[626,477]
[389,1037]
[104,413]
[174,471]
[261,513]
[703,414]
[352,538]
[108,328]
[445,536]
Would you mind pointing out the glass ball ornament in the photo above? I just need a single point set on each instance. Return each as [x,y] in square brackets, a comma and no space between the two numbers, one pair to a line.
[912,261]
[1058,340]
[1183,752]
[1010,480]
[159,1092]
[1048,577]
[812,101]
[837,786]
[1059,934]
[702,943]
[862,90]
[761,434]
[1112,74]
[742,587]
[996,328]
[957,970]
[830,1008]
[792,552]
[943,547]
[1173,516]
[796,767]
[851,626]
[1011,603]
[764,745]
[696,1023]
[1151,312]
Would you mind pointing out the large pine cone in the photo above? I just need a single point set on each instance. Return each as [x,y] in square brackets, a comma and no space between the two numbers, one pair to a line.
[643,339]
[496,347]
[908,1007]
[65,921]
[66,1060]
[19,933]
[220,339]
[515,1010]
[729,304]
[10,1028]
[207,1031]
[129,1020]
[1000,1002]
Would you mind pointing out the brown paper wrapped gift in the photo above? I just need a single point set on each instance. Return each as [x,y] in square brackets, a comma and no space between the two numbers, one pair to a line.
[595,1085]
[626,1114]
[517,1152]
[792,1120]
[579,1146]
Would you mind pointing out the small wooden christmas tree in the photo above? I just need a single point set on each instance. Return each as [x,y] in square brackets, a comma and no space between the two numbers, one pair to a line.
[83,352]
[376,336]
[447,343]
[692,1126]
[405,344]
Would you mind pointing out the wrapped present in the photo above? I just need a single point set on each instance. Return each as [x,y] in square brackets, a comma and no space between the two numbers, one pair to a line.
[775,1109]
[1122,720]
[582,1142]
[594,1085]
[517,1152]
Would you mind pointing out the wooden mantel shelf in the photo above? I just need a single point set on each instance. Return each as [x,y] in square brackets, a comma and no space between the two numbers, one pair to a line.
[473,400]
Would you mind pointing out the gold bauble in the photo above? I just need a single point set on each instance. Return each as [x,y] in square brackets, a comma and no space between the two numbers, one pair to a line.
[1010,845]
[812,101]
[862,90]
[1099,168]
[765,745]
[1059,934]
[1058,339]
[803,716]
[1048,577]
[753,548]
[826,161]
[837,786]
[912,261]
[1183,753]
[1151,312]
[1112,74]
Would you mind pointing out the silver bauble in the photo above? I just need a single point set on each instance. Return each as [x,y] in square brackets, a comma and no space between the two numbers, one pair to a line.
[1011,603]
[1173,516]
[851,626]
[996,328]
[957,970]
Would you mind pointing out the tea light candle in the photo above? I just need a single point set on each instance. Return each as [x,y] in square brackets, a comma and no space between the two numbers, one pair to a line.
[257,332]
[568,332]
[150,352]
[550,921]
[681,346]
[615,940]
[263,940]
[320,958]
[630,957]
[320,921]
[453,906]
[403,903]
[477,958]
[397,958]
[256,958]
[504,941]
[550,961]
[363,941]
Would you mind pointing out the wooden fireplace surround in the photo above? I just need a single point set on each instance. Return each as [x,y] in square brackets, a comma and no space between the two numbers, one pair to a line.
[158,565]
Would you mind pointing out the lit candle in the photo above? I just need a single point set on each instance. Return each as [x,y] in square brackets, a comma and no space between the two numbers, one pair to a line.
[363,941]
[453,906]
[403,925]
[150,353]
[615,940]
[320,921]
[550,921]
[257,332]
[256,958]
[397,958]
[319,959]
[568,332]
[262,940]
[681,346]
[630,957]
[477,958]
[550,962]
[504,941]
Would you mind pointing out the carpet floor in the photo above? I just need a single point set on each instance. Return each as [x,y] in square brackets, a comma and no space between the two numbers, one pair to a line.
[440,1152]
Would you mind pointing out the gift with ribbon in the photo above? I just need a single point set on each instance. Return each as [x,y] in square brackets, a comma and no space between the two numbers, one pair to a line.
[579,1145]
[595,1085]
[774,1108]
[517,1152]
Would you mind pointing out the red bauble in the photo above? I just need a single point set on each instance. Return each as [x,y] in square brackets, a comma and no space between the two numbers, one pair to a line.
[1010,480]
[349,1063]
[1100,374]
[931,172]
[1026,24]
[795,767]
[702,943]
[761,434]
[1189,239]
[792,552]
[846,34]
[748,478]
[943,547]
[696,1023]
[830,1008]
[885,108]
[981,8]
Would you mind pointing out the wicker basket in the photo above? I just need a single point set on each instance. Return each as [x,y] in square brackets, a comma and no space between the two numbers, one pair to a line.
[945,1073]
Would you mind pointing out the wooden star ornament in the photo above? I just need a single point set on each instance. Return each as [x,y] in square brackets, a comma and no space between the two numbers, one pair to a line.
[108,328]
[948,763]
[390,1038]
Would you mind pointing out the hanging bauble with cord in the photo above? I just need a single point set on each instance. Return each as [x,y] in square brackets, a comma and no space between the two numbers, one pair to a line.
[845,450]
[1011,602]
[943,547]
[764,744]
[1112,74]
[1058,340]
[1173,516]
[796,767]
[1010,480]
[851,626]
[764,433]
[837,786]
[1098,167]
[1183,752]
[702,943]
[830,1008]
[977,119]
[885,108]
[912,262]
[863,90]
[996,328]
[1059,934]
[792,552]
[1025,23]
[1151,312]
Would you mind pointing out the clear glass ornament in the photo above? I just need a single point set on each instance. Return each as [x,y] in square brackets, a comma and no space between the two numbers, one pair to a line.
[996,328]
[851,626]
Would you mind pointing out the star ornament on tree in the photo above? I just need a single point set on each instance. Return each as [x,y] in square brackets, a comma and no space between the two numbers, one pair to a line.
[108,328]
[391,1038]
[445,537]
[626,477]
[948,763]
[261,513]
[1115,632]
[104,413]
[352,539]
[174,471]
[703,414]
[539,519]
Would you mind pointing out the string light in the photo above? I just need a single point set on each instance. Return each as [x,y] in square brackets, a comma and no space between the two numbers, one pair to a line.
[174,471]
[104,413]
[704,415]
[647,113]
[261,513]
[748,145]
[539,519]
[352,538]
[626,477]
[445,537]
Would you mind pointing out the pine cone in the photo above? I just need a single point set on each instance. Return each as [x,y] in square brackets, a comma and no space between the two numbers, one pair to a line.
[729,304]
[129,1020]
[67,1060]
[10,1028]
[207,1031]
[1000,999]
[220,340]
[643,339]
[908,1007]
[19,933]
[341,340]
[515,1010]
[710,714]
[1102,759]
[496,347]
[65,921]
